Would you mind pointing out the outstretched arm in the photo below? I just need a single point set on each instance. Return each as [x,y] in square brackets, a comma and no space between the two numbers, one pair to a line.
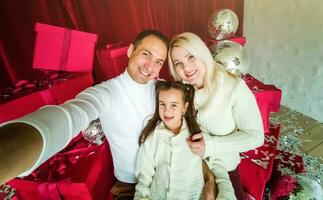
[15,160]
[27,142]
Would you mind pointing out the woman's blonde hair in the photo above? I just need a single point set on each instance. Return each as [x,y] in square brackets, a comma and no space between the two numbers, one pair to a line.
[194,44]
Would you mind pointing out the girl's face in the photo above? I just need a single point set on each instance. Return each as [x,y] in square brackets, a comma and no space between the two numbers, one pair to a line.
[190,68]
[171,108]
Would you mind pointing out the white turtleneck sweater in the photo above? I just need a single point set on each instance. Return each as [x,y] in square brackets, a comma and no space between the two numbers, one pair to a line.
[232,118]
[122,105]
[168,170]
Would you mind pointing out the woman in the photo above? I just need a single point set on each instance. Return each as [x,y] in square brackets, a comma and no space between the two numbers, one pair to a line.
[227,109]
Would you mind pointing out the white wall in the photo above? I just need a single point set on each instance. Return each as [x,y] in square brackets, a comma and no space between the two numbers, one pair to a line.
[285,45]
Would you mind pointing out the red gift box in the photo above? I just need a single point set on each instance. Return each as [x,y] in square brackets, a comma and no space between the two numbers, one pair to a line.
[119,59]
[239,40]
[115,45]
[292,162]
[24,105]
[257,165]
[112,61]
[60,90]
[268,98]
[63,49]
[283,182]
[69,88]
[74,174]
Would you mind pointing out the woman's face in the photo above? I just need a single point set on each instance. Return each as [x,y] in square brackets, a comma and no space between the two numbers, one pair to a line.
[190,68]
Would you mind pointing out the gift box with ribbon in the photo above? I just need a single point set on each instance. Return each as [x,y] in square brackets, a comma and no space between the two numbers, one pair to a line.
[78,172]
[63,49]
[27,97]
[26,104]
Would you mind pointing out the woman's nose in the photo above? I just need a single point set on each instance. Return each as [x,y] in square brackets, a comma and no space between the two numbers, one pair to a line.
[187,67]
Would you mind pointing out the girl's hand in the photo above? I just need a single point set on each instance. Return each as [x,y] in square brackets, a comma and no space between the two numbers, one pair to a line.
[197,144]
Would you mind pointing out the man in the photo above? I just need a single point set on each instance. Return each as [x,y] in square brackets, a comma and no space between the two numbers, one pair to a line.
[123,104]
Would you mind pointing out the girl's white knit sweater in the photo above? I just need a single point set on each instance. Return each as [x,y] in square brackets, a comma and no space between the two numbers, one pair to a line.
[167,169]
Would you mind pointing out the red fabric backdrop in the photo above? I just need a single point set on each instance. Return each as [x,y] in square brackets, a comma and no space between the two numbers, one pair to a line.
[112,20]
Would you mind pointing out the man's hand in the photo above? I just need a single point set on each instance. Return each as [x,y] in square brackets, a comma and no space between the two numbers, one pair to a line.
[210,191]
[197,144]
[20,147]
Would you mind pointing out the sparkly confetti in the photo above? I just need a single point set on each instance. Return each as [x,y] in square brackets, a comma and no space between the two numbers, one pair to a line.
[289,143]
[292,124]
[314,168]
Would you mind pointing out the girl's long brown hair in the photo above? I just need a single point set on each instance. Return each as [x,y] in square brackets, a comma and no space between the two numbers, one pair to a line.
[190,115]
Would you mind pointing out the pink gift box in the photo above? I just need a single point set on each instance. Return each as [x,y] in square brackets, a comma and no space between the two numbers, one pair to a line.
[62,49]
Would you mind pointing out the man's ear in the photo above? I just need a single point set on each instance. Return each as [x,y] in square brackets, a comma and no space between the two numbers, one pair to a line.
[130,50]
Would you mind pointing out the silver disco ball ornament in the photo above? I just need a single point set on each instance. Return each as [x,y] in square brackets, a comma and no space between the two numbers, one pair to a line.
[232,56]
[222,24]
[94,133]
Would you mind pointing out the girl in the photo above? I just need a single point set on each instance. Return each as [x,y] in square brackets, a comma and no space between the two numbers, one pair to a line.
[226,107]
[166,168]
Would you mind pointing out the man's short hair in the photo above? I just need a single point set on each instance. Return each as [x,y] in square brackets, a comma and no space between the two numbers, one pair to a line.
[150,32]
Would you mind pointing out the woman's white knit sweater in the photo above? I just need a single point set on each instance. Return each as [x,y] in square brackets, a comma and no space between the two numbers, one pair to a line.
[231,117]
[167,169]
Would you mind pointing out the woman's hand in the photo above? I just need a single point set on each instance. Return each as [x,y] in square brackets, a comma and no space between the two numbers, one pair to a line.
[197,144]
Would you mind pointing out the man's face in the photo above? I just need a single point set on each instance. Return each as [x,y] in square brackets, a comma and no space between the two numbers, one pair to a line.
[146,60]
